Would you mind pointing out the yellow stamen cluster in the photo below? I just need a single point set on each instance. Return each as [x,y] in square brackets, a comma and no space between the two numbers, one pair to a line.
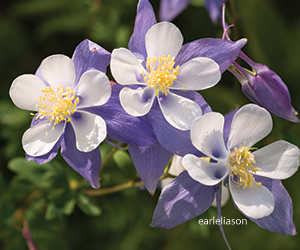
[161,76]
[57,105]
[240,164]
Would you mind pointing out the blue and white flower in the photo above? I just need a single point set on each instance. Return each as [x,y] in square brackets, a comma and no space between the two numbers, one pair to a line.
[236,161]
[60,93]
[159,75]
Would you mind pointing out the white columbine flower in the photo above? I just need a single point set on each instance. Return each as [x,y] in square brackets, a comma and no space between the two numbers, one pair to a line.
[58,99]
[238,160]
[159,77]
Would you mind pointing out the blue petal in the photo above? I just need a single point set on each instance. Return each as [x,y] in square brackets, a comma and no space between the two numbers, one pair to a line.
[214,9]
[89,55]
[281,219]
[181,200]
[150,163]
[86,164]
[175,140]
[169,9]
[227,125]
[145,19]
[120,125]
[222,51]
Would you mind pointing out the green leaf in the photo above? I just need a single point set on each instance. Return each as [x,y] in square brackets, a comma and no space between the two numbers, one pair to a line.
[88,205]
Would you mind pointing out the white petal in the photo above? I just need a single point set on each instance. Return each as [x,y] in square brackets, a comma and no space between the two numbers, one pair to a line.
[255,202]
[137,102]
[249,125]
[93,89]
[207,173]
[126,68]
[90,130]
[207,136]
[278,160]
[180,112]
[163,38]
[36,142]
[224,198]
[176,166]
[198,73]
[58,69]
[26,90]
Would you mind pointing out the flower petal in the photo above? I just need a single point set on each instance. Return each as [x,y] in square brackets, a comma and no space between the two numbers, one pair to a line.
[35,140]
[150,163]
[197,74]
[26,90]
[58,70]
[181,200]
[93,89]
[207,136]
[255,202]
[90,130]
[163,39]
[170,9]
[137,102]
[145,19]
[207,173]
[180,112]
[89,56]
[126,68]
[249,125]
[281,219]
[278,160]
[87,164]
[224,197]
[222,51]
[121,126]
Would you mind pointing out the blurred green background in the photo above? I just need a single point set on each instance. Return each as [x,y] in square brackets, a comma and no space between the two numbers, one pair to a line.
[50,197]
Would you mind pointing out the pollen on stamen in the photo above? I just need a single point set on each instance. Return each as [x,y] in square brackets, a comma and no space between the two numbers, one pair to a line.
[57,105]
[241,168]
[161,73]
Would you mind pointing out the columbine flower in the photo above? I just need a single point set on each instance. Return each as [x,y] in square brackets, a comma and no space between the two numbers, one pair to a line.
[260,195]
[265,88]
[156,77]
[237,160]
[60,98]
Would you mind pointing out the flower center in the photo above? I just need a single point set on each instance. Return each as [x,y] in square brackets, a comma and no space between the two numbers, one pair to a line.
[57,105]
[161,73]
[240,163]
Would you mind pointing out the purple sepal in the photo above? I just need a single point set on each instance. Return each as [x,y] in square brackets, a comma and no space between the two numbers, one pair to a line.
[169,9]
[281,220]
[145,19]
[227,124]
[121,126]
[88,56]
[150,163]
[222,51]
[268,90]
[175,140]
[86,164]
[214,9]
[181,200]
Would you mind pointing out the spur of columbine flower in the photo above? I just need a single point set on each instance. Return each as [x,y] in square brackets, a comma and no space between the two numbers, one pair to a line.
[60,92]
[157,77]
[253,177]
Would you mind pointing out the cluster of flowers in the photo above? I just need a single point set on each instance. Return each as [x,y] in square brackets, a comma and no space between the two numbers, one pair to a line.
[153,107]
